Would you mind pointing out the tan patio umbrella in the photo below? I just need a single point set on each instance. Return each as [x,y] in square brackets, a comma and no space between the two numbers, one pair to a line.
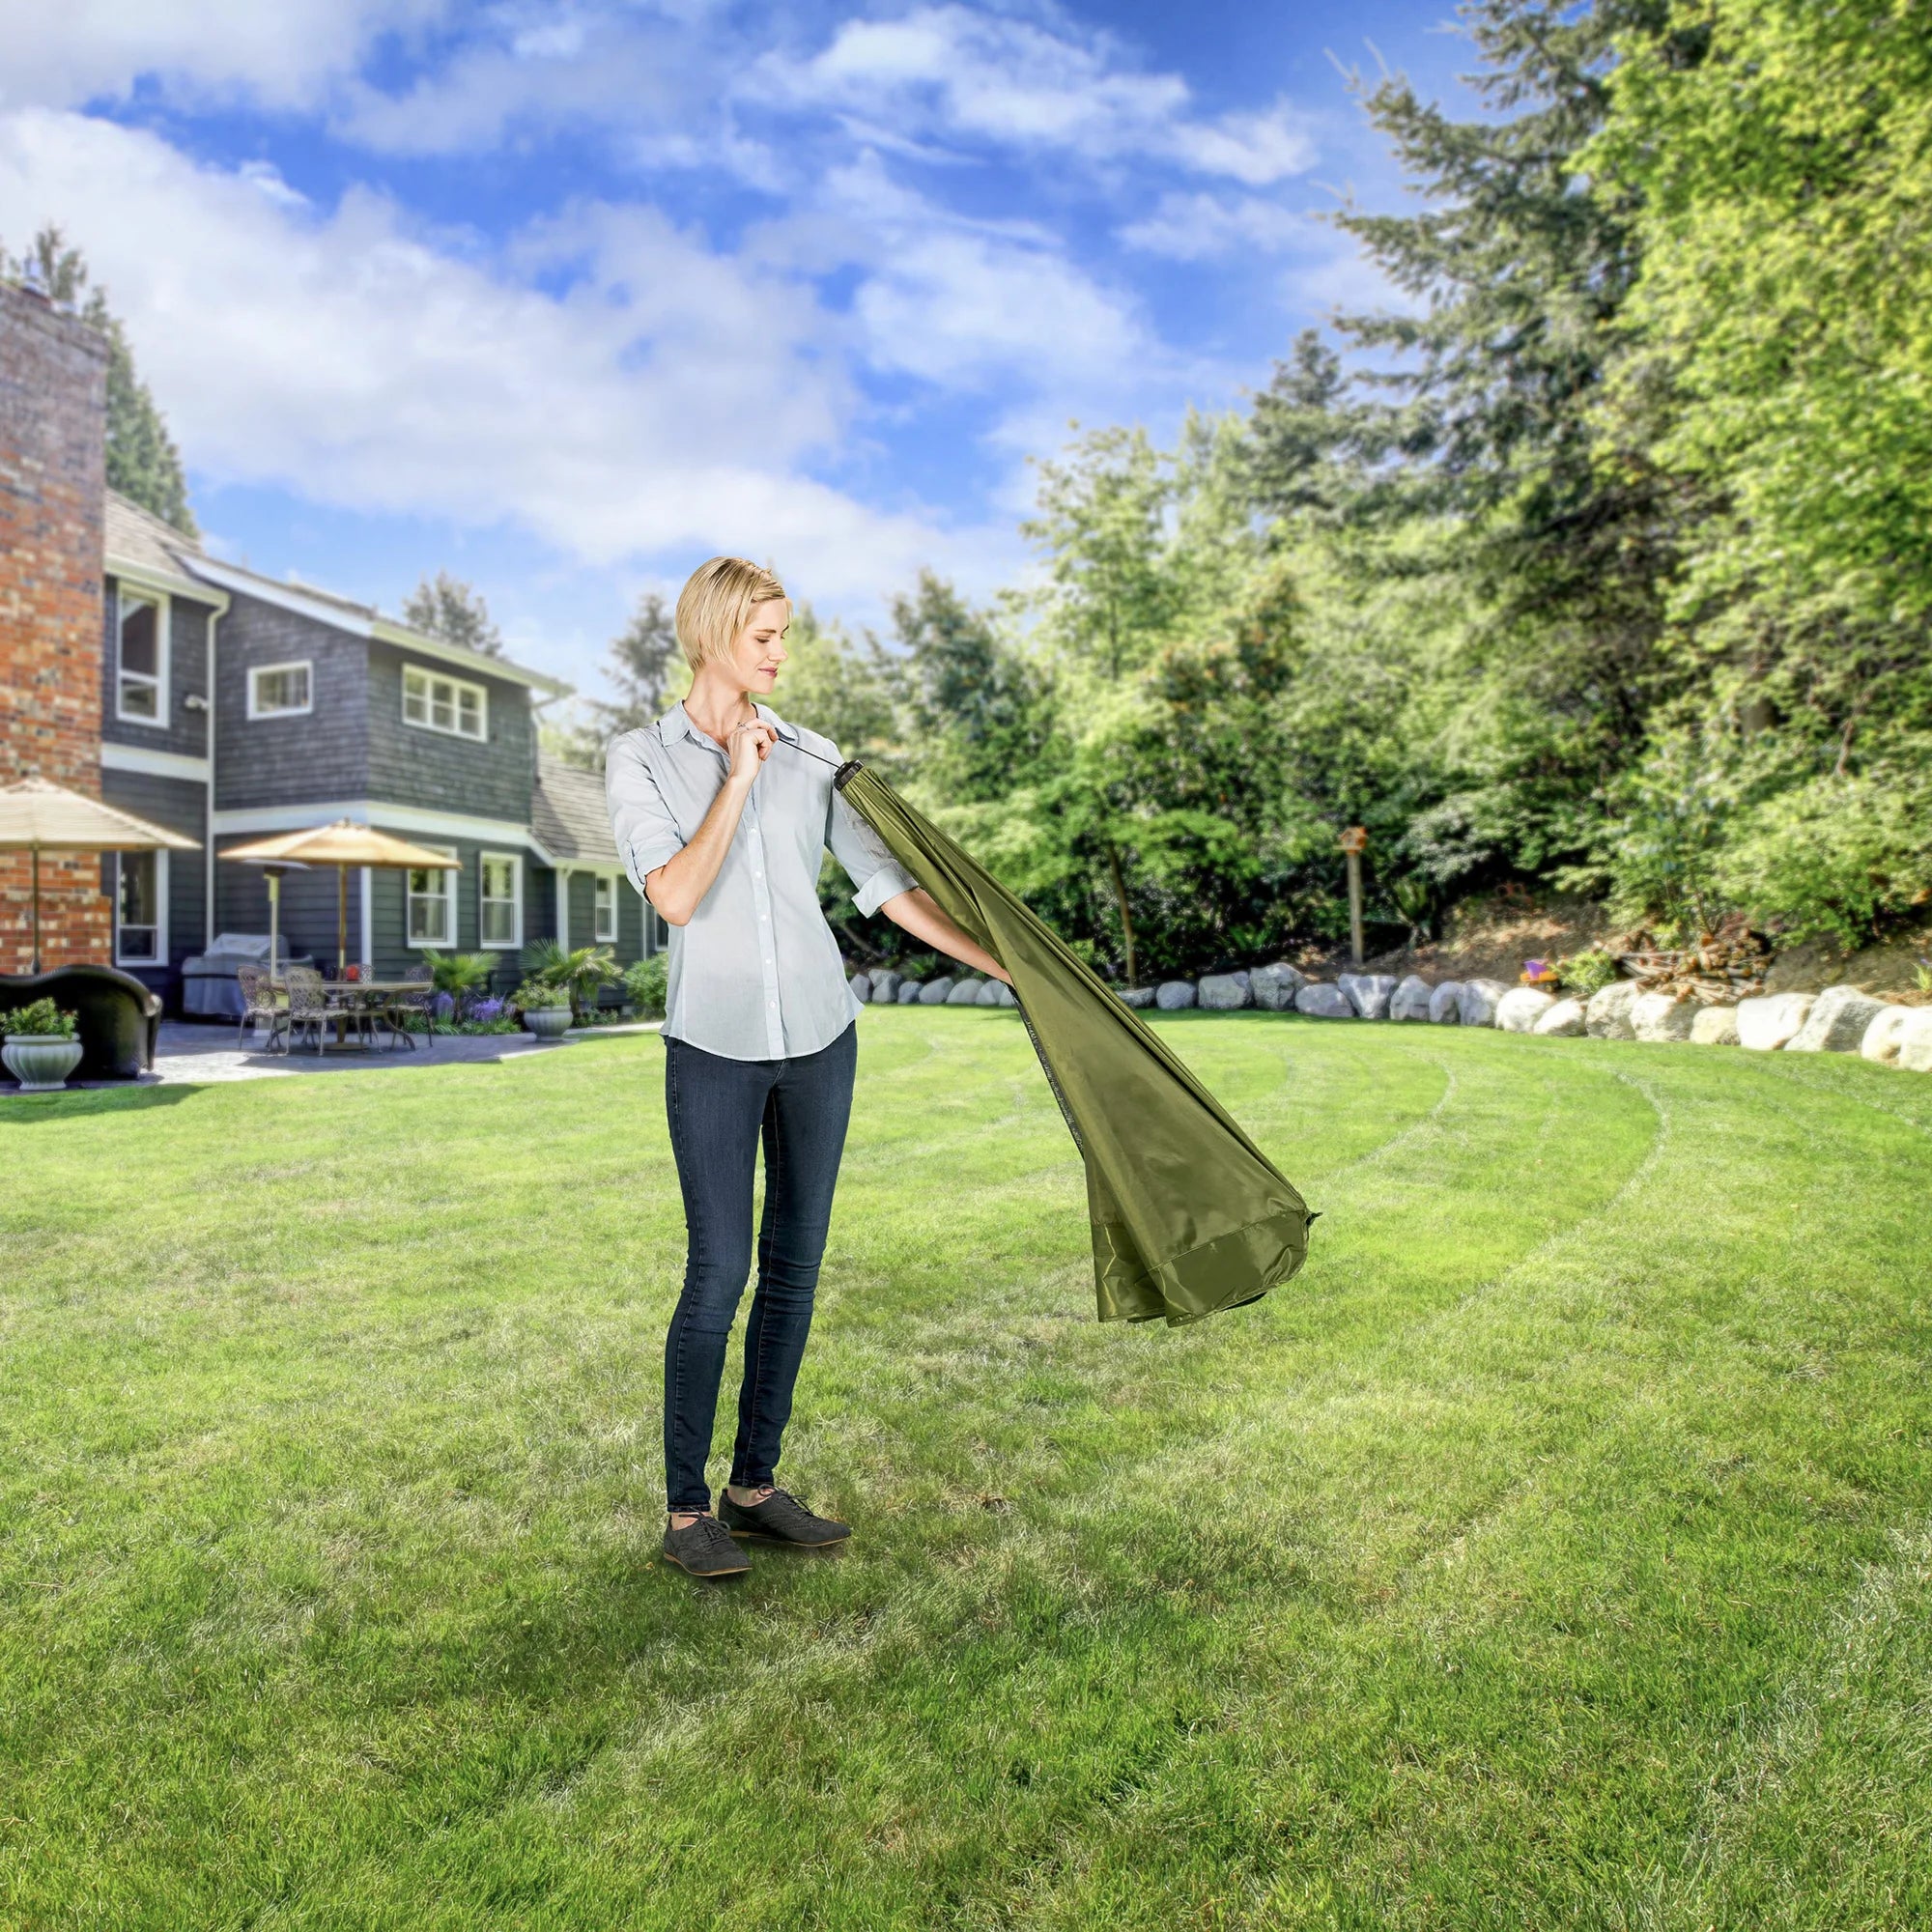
[343,844]
[35,816]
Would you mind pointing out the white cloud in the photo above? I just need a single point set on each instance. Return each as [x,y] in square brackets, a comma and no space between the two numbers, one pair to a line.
[1198,227]
[671,401]
[283,53]
[960,72]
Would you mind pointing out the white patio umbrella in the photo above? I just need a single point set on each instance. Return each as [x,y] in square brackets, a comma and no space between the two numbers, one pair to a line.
[36,816]
[342,844]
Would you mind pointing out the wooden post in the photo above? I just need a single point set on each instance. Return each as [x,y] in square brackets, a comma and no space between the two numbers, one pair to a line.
[1352,841]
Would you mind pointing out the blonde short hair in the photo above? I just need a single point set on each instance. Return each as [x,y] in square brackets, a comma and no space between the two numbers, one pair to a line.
[716,604]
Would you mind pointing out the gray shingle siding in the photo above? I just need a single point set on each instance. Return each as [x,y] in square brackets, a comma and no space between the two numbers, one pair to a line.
[181,806]
[321,758]
[410,765]
[183,731]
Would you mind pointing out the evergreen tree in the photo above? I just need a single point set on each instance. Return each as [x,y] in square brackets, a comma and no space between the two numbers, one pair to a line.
[641,661]
[143,462]
[445,607]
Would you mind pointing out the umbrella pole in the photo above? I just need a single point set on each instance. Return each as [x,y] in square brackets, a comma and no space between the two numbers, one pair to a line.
[36,909]
[274,918]
[341,920]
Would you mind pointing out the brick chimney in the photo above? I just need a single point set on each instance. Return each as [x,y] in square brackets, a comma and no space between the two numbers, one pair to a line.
[53,422]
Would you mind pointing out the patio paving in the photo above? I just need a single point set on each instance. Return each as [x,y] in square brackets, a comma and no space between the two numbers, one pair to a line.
[194,1054]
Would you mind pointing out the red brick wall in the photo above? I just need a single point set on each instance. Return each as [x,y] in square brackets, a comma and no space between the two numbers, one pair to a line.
[53,410]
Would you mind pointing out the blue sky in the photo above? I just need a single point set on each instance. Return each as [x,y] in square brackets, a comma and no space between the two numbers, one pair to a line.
[565,298]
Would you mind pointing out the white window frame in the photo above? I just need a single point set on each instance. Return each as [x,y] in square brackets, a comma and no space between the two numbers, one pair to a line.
[515,862]
[159,958]
[603,887]
[163,654]
[419,683]
[445,893]
[257,709]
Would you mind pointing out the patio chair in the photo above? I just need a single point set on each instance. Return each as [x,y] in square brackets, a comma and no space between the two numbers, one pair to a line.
[309,1003]
[260,1001]
[419,998]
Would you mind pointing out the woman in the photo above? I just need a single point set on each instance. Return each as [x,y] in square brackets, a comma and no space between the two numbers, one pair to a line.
[722,811]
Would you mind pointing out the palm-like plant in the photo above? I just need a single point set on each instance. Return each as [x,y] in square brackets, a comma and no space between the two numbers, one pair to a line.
[458,973]
[579,972]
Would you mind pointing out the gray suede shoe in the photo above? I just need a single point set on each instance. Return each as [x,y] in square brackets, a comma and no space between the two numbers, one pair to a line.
[780,1518]
[704,1549]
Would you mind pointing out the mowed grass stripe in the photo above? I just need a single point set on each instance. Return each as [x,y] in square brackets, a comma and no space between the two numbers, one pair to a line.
[1436,1590]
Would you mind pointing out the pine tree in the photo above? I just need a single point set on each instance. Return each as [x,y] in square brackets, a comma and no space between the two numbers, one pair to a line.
[445,607]
[143,462]
[641,660]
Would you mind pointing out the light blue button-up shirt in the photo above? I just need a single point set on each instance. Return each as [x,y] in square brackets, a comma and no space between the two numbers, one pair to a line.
[755,973]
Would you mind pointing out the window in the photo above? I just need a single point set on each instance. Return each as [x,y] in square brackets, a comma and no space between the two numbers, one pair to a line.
[279,691]
[432,904]
[140,680]
[444,703]
[502,899]
[604,924]
[140,924]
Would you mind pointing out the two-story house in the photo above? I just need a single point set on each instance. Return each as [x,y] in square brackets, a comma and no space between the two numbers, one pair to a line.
[237,706]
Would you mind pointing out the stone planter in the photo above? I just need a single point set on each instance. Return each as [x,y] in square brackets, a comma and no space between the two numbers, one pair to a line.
[40,1062]
[547,1022]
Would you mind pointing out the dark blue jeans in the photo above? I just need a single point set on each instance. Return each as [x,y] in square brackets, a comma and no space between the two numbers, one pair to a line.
[720,1110]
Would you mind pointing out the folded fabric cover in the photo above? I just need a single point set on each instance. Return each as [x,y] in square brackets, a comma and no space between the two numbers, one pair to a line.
[1189,1216]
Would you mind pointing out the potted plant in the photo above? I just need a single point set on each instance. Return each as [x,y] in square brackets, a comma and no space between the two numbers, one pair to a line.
[546,1010]
[40,1050]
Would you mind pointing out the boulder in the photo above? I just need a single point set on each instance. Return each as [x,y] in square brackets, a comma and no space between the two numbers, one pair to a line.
[966,992]
[1478,1001]
[1369,993]
[1663,1018]
[1274,988]
[1915,1041]
[936,992]
[1715,1026]
[1243,974]
[908,993]
[1521,1006]
[861,988]
[1221,992]
[1171,995]
[1446,1004]
[885,987]
[1607,1016]
[1322,1002]
[1410,1000]
[1136,996]
[1766,1023]
[994,993]
[1565,1020]
[1838,1023]
[1884,1034]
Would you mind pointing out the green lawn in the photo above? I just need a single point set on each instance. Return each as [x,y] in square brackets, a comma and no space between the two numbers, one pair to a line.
[1556,1550]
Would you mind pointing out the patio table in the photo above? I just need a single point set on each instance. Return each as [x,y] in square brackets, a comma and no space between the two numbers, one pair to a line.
[351,999]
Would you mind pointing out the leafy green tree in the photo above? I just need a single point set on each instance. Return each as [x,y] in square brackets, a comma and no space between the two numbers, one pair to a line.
[1780,179]
[445,607]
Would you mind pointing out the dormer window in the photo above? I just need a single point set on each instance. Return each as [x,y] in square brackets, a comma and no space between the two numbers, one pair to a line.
[141,666]
[439,703]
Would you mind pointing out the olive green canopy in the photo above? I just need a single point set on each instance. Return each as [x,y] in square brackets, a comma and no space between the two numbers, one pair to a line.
[1189,1216]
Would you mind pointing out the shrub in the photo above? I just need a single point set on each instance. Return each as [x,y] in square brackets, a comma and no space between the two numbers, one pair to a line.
[1835,858]
[533,996]
[646,984]
[460,975]
[1585,972]
[42,1017]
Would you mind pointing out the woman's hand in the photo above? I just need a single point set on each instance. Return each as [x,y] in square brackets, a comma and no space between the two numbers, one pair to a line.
[751,746]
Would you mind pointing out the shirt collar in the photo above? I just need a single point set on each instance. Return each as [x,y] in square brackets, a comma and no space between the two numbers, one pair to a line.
[676,724]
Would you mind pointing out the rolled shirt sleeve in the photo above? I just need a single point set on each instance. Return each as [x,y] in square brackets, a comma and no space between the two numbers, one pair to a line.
[645,832]
[875,875]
